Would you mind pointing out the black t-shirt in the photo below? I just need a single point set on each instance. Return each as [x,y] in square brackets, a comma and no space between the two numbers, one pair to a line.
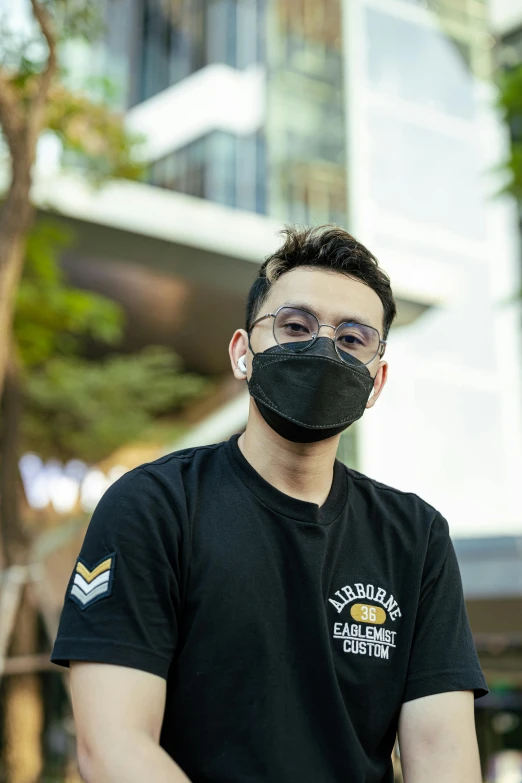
[289,634]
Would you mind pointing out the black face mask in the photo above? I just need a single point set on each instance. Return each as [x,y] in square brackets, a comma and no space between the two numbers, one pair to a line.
[312,395]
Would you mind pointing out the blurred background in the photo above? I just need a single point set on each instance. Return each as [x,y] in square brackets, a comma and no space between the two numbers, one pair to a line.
[172,140]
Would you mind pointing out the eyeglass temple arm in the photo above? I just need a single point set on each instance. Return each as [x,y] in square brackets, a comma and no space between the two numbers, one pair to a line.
[261,318]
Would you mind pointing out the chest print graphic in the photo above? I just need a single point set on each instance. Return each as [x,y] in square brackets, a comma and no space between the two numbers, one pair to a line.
[370,607]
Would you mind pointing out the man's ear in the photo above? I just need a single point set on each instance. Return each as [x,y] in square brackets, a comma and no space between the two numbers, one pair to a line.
[239,355]
[379,383]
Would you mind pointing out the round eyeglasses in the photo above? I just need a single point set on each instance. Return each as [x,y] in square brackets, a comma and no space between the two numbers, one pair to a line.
[297,330]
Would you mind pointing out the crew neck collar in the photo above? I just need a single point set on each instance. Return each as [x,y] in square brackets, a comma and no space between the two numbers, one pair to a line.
[284,504]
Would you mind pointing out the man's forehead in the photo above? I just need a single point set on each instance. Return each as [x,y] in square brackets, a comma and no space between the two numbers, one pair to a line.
[332,296]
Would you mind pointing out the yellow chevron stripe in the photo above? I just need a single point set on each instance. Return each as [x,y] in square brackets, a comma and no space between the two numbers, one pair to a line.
[90,575]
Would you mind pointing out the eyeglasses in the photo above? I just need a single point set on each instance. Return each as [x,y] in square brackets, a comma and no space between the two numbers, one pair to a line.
[297,330]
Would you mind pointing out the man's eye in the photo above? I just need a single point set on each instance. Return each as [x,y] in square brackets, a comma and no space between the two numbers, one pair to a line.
[297,328]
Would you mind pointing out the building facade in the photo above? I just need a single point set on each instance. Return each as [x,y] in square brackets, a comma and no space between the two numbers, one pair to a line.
[377,115]
[374,114]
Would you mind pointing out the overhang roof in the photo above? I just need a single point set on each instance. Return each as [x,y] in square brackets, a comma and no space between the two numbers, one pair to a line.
[211,231]
[182,266]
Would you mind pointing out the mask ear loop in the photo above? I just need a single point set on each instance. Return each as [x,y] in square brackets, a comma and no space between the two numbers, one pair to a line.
[250,345]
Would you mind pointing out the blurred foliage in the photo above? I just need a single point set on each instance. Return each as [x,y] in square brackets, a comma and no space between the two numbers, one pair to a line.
[510,104]
[70,19]
[92,134]
[74,407]
[52,317]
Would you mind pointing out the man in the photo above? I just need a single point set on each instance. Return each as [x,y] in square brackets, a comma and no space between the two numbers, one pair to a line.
[254,610]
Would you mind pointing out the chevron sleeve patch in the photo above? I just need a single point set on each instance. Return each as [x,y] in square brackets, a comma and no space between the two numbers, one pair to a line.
[90,585]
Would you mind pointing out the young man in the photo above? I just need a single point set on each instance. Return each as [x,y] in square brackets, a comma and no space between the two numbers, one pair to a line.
[254,610]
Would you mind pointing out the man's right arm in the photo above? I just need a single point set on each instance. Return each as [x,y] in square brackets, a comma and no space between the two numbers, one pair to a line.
[118,713]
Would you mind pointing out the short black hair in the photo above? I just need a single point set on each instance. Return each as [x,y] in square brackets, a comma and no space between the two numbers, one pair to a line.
[326,247]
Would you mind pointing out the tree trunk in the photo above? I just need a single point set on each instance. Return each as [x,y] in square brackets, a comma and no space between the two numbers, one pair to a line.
[15,222]
[21,125]
[14,539]
[23,716]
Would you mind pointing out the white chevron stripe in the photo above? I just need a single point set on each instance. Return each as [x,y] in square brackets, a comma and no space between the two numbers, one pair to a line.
[85,599]
[88,587]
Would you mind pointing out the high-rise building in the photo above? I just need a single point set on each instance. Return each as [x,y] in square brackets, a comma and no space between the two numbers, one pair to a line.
[375,114]
[284,157]
[379,115]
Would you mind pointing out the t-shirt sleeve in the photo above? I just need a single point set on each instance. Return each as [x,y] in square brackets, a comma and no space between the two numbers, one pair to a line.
[443,654]
[123,598]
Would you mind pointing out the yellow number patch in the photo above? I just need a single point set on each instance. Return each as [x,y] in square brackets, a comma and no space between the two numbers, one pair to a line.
[368,614]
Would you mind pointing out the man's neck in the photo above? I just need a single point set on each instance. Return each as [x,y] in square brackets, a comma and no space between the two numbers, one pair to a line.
[301,470]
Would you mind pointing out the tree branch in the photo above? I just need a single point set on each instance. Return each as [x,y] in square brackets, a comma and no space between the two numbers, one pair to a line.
[37,107]
[44,20]
[11,118]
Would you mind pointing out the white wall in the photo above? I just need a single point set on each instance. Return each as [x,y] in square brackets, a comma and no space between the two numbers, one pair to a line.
[423,138]
[505,15]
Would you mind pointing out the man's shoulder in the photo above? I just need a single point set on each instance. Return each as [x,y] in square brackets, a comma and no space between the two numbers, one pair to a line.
[391,499]
[169,472]
[175,460]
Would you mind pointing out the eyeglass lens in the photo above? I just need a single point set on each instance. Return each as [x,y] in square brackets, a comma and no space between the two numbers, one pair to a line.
[296,329]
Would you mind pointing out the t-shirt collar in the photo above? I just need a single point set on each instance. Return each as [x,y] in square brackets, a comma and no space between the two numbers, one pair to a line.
[286,505]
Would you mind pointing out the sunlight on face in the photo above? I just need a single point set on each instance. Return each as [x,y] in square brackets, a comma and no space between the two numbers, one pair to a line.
[331,296]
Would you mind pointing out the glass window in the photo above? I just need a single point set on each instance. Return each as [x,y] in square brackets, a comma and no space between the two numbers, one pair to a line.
[176,39]
[221,41]
[426,176]
[305,116]
[418,64]
[171,44]
[183,171]
[261,173]
[313,191]
[220,167]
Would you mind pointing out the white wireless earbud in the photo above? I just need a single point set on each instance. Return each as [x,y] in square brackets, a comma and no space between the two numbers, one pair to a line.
[241,364]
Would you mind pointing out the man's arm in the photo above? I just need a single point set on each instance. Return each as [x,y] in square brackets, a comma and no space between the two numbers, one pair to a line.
[437,739]
[118,713]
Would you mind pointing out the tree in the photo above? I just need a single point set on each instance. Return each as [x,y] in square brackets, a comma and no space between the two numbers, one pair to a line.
[71,408]
[510,104]
[72,405]
[34,97]
[50,319]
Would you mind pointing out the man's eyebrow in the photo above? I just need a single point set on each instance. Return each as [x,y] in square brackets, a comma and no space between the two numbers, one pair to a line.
[354,318]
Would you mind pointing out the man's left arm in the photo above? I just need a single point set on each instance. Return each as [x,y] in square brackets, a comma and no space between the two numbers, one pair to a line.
[437,739]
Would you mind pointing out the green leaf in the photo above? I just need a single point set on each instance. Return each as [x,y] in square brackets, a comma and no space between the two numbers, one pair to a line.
[51,316]
[86,409]
[510,104]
